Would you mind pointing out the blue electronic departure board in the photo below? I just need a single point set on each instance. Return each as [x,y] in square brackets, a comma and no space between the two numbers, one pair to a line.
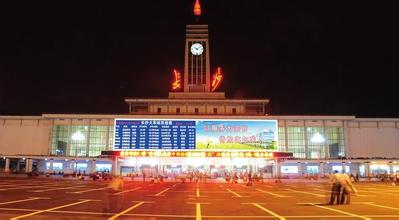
[154,134]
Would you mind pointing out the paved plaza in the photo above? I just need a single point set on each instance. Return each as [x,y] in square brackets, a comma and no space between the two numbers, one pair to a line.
[48,198]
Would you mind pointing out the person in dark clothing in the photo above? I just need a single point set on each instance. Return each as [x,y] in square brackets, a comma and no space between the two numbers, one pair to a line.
[335,189]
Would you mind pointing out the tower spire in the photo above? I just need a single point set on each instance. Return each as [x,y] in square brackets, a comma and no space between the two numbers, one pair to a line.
[197,8]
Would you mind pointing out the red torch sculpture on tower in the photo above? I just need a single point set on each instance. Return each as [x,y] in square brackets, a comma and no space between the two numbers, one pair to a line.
[197,8]
[177,84]
[216,79]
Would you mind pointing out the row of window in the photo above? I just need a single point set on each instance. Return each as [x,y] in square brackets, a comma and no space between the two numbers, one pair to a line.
[312,142]
[196,110]
[75,140]
[309,142]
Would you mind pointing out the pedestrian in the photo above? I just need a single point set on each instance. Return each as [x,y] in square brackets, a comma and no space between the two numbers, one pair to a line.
[114,188]
[249,183]
[235,177]
[346,188]
[335,188]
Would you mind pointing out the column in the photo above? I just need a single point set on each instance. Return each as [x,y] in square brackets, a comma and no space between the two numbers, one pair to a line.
[18,166]
[278,168]
[300,169]
[7,166]
[51,166]
[28,165]
[115,167]
[321,168]
[367,171]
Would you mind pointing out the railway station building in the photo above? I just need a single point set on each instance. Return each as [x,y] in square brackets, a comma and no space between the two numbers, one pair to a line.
[197,128]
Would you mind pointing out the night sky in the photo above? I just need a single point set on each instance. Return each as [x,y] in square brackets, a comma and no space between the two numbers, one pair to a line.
[308,58]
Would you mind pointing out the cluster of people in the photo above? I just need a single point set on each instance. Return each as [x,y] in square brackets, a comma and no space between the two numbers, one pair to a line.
[392,177]
[246,177]
[197,176]
[342,188]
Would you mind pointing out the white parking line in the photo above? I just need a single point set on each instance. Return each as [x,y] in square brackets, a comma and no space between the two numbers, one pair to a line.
[23,200]
[314,194]
[46,190]
[336,210]
[160,193]
[382,206]
[273,194]
[126,210]
[268,211]
[238,195]
[125,191]
[51,209]
[89,190]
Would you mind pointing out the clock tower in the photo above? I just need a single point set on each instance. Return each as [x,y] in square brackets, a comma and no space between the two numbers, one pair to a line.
[196,56]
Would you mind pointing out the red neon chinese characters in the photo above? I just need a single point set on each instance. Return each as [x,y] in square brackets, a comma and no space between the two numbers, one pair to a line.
[197,8]
[176,85]
[216,79]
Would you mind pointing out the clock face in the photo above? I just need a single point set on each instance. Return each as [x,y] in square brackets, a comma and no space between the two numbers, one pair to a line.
[197,49]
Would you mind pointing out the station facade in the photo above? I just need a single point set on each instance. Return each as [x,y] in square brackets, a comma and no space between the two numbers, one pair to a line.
[298,145]
[319,144]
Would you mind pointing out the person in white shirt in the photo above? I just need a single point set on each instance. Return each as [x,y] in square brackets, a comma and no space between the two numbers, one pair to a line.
[346,187]
[335,188]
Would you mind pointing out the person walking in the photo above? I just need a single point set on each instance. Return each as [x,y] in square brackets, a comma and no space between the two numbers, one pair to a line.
[335,188]
[114,200]
[249,183]
[346,188]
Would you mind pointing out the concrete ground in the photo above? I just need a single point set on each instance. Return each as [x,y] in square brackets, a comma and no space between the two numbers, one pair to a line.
[48,198]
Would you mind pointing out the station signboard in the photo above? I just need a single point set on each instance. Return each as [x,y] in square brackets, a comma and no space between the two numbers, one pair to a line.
[195,134]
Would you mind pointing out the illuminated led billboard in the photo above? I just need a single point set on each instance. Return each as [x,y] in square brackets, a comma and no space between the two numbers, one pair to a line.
[191,134]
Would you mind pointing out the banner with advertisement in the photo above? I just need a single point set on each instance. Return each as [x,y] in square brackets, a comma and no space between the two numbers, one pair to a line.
[192,134]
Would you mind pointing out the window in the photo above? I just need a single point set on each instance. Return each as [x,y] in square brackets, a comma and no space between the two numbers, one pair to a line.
[103,167]
[234,110]
[56,166]
[312,169]
[59,140]
[98,140]
[196,110]
[335,141]
[296,141]
[159,110]
[177,110]
[78,144]
[215,110]
[316,142]
[289,169]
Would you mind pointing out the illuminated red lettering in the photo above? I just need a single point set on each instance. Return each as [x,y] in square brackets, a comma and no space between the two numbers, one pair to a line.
[222,139]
